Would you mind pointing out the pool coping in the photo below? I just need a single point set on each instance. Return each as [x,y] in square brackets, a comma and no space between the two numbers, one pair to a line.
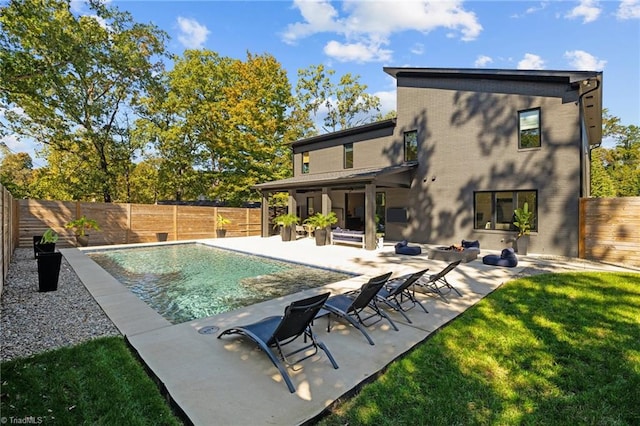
[228,381]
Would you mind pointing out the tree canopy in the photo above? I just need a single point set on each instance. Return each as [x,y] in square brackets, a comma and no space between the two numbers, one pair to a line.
[68,80]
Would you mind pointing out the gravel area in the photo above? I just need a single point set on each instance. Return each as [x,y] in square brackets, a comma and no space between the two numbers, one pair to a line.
[32,322]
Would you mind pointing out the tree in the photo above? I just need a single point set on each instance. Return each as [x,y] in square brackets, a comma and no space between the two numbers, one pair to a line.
[601,183]
[67,80]
[621,163]
[16,171]
[342,105]
[222,125]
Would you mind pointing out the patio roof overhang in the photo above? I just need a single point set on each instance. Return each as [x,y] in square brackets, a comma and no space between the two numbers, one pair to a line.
[399,176]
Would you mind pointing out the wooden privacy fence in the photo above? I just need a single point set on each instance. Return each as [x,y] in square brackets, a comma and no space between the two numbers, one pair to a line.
[132,223]
[609,230]
[9,229]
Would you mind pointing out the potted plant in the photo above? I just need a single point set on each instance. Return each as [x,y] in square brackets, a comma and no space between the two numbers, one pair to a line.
[523,221]
[287,223]
[321,223]
[45,243]
[79,227]
[221,222]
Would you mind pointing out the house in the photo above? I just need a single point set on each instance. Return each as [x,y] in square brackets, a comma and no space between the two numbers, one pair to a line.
[468,146]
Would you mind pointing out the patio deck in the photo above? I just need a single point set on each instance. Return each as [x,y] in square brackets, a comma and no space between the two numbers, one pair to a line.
[229,381]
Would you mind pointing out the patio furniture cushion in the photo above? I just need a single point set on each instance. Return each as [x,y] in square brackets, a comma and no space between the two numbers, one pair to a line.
[507,258]
[403,248]
[470,244]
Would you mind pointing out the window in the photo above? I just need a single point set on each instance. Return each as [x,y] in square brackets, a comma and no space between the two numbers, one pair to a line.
[494,210]
[348,156]
[305,162]
[411,145]
[529,128]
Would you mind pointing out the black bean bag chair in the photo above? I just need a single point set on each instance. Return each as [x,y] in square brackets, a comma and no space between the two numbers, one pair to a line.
[403,248]
[507,258]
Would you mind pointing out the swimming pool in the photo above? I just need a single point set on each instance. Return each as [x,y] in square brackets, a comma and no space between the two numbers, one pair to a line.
[183,282]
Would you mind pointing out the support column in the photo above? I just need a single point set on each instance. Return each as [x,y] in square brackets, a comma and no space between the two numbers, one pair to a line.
[264,221]
[292,205]
[326,200]
[370,217]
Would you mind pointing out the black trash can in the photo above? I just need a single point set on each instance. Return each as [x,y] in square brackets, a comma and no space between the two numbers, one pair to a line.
[48,270]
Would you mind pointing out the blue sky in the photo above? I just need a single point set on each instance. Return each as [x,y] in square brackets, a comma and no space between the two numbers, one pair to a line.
[361,37]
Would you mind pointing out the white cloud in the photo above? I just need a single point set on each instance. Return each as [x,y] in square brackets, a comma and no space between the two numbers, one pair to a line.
[584,61]
[417,49]
[482,61]
[367,25]
[531,62]
[192,34]
[358,52]
[588,10]
[531,10]
[388,100]
[629,9]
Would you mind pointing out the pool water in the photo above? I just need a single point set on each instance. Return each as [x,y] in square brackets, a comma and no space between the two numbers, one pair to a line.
[183,282]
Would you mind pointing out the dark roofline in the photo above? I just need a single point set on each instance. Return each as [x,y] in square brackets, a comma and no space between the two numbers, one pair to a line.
[493,74]
[391,122]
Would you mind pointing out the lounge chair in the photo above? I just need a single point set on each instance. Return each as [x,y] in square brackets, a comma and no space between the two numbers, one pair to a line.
[437,282]
[277,331]
[398,291]
[353,306]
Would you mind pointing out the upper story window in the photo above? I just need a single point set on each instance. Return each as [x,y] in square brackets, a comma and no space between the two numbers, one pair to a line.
[411,145]
[529,128]
[348,156]
[305,162]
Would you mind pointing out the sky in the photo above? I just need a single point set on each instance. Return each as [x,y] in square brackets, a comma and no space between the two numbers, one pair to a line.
[361,37]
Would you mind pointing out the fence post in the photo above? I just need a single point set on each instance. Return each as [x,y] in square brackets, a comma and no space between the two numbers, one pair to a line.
[175,223]
[581,228]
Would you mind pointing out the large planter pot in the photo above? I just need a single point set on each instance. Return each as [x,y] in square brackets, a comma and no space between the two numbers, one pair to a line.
[42,248]
[162,236]
[83,240]
[48,271]
[287,233]
[220,233]
[522,245]
[321,235]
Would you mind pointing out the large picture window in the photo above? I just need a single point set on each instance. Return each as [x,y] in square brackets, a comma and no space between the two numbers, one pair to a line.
[495,209]
[411,145]
[348,156]
[305,162]
[529,128]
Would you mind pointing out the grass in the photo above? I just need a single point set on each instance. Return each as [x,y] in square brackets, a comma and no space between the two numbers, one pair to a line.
[98,383]
[552,349]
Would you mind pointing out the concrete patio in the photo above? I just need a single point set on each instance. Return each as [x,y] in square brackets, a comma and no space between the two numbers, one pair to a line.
[229,381]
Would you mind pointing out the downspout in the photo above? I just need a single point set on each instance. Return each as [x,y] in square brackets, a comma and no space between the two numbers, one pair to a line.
[585,163]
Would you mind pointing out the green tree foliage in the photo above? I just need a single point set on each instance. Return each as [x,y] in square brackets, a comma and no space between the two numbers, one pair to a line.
[601,183]
[68,80]
[342,105]
[16,171]
[620,163]
[221,125]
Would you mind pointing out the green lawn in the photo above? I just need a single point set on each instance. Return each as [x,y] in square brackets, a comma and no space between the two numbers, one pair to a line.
[556,349]
[95,383]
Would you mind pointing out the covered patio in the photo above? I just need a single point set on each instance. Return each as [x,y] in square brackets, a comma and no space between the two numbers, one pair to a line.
[330,186]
